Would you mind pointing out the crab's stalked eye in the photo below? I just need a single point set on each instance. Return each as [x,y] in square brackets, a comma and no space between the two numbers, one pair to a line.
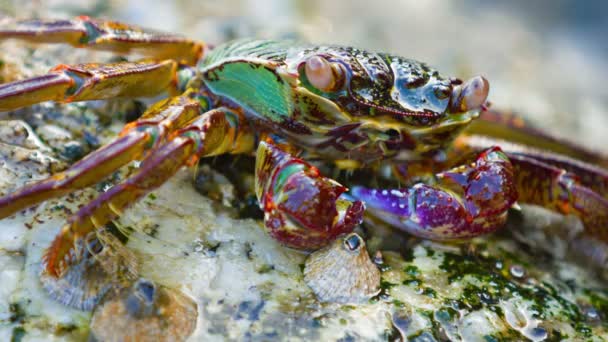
[470,95]
[324,75]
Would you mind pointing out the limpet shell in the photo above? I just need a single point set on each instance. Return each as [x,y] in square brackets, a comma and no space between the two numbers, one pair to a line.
[104,264]
[145,312]
[342,272]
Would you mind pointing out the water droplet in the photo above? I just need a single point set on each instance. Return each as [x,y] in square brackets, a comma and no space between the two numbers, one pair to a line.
[517,271]
[538,334]
[378,258]
[401,321]
[397,193]
[591,313]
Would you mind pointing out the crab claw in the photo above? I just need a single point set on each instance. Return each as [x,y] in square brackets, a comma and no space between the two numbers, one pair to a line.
[471,95]
[469,200]
[302,209]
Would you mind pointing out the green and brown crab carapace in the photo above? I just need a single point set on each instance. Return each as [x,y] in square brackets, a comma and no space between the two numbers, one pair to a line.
[453,174]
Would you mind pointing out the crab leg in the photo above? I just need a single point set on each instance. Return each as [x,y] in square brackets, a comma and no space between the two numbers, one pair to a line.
[303,209]
[105,35]
[555,188]
[81,82]
[467,200]
[215,132]
[557,182]
[137,137]
[512,128]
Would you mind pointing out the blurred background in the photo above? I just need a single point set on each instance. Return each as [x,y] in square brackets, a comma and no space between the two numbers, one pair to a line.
[546,59]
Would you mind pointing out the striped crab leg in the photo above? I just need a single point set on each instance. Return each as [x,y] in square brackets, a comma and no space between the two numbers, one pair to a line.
[556,182]
[512,128]
[135,139]
[105,35]
[215,132]
[466,201]
[91,81]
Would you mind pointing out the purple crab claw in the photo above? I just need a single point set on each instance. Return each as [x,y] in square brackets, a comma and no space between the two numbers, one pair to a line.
[468,200]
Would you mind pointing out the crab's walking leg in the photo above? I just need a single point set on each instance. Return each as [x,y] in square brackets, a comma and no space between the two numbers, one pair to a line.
[105,35]
[215,132]
[302,209]
[557,189]
[137,137]
[466,201]
[81,82]
[557,182]
[511,128]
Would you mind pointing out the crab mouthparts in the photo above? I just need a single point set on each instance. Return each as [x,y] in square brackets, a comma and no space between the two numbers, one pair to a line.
[470,95]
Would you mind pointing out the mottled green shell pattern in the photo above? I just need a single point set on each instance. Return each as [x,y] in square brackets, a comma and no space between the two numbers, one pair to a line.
[388,104]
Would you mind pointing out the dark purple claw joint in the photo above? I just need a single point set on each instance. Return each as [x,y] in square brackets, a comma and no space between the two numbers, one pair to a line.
[467,200]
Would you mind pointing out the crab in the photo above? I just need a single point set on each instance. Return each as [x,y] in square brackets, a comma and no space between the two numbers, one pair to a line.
[462,165]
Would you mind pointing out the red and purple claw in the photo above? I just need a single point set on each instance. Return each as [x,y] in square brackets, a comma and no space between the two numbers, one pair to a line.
[468,200]
[302,209]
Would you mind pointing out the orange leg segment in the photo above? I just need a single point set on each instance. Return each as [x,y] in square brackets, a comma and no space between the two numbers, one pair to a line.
[81,82]
[557,189]
[105,35]
[136,138]
[215,132]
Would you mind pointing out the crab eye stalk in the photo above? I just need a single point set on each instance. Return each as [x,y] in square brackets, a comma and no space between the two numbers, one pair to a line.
[324,75]
[470,95]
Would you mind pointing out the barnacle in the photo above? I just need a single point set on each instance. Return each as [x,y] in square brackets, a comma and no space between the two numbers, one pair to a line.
[104,265]
[342,272]
[145,312]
